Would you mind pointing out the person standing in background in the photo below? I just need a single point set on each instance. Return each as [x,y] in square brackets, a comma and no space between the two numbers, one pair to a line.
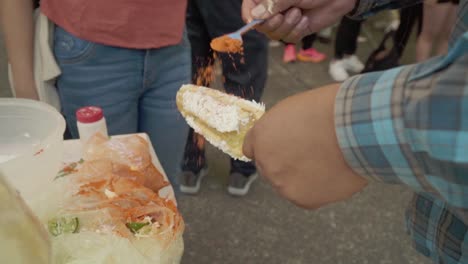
[438,20]
[345,60]
[243,75]
[307,52]
[383,57]
[409,16]
[128,57]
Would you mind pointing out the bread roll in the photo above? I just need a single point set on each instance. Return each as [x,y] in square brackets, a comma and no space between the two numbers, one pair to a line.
[222,119]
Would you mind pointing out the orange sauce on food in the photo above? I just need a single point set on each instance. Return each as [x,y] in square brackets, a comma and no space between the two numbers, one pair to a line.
[226,44]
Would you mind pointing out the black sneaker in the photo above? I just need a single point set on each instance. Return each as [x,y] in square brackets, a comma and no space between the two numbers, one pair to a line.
[239,184]
[190,182]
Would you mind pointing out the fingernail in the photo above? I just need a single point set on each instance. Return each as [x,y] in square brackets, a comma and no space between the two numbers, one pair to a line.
[258,11]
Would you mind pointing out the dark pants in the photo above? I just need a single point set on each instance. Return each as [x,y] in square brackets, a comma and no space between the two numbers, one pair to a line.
[408,17]
[244,76]
[346,37]
[307,41]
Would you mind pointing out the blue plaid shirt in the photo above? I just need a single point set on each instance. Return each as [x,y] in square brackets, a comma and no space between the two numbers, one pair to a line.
[409,125]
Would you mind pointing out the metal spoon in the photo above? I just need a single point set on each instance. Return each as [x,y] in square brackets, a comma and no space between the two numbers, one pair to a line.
[238,34]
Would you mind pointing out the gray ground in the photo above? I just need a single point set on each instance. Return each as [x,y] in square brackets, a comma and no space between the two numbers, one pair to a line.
[263,228]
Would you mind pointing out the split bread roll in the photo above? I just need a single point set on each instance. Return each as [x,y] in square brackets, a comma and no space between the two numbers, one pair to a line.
[222,119]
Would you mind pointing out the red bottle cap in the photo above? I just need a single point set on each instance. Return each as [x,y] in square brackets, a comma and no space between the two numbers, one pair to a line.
[89,114]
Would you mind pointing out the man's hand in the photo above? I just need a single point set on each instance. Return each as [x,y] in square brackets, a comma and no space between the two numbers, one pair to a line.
[291,20]
[294,146]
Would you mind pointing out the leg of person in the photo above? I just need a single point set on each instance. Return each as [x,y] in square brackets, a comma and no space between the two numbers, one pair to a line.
[245,76]
[308,53]
[194,166]
[247,80]
[98,75]
[346,37]
[308,41]
[166,70]
[420,15]
[446,31]
[386,58]
[348,44]
[345,44]
[433,17]
[240,182]
[408,17]
[289,54]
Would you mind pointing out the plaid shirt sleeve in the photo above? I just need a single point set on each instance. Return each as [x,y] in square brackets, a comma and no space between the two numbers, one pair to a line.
[409,125]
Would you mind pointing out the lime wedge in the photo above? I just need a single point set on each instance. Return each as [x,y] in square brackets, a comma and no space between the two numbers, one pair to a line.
[63,225]
[135,226]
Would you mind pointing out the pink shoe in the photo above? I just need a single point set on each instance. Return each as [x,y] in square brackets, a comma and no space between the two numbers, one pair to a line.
[289,54]
[311,55]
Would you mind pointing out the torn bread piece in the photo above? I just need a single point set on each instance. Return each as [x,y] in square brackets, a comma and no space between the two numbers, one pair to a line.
[222,119]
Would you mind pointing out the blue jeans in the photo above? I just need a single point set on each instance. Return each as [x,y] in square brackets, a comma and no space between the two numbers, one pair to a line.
[135,88]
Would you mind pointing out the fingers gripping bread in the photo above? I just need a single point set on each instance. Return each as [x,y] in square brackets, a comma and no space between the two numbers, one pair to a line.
[222,119]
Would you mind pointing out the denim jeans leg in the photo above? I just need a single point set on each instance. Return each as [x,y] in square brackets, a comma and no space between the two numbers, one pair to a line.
[167,69]
[99,75]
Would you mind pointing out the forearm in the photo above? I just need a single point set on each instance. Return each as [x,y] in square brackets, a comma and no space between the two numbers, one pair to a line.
[17,26]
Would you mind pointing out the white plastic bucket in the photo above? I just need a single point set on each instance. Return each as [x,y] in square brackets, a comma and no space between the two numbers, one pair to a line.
[31,144]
